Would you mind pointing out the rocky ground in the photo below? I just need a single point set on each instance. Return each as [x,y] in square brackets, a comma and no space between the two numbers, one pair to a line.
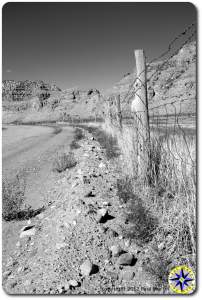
[77,245]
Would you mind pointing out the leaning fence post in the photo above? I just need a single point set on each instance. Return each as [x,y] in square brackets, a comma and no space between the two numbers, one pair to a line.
[140,109]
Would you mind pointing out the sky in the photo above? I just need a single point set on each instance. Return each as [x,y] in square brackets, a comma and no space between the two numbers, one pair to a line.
[86,45]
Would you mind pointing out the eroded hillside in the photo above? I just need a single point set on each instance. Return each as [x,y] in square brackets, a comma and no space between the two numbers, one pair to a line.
[169,81]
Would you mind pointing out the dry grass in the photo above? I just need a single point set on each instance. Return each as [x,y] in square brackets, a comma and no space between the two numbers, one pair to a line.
[167,203]
[64,161]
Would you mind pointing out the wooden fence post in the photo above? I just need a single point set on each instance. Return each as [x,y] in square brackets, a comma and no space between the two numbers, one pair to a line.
[119,114]
[140,109]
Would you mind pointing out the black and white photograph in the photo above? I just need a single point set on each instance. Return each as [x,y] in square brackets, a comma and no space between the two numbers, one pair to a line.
[99,156]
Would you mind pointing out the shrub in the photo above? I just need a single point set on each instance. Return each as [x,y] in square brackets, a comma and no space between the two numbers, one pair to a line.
[124,189]
[13,196]
[74,145]
[78,135]
[141,222]
[64,161]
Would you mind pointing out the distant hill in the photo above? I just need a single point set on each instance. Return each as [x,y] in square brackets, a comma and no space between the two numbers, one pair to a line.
[38,101]
[28,87]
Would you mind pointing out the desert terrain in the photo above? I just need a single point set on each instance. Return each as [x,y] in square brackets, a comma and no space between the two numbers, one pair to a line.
[76,217]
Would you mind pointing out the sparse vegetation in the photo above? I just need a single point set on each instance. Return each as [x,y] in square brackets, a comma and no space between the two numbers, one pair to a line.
[64,161]
[161,213]
[74,145]
[107,141]
[13,196]
[13,199]
[78,134]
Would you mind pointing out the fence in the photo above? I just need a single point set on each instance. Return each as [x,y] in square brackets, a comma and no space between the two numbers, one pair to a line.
[158,141]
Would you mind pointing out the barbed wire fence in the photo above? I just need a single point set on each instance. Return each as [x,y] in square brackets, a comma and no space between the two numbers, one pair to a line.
[164,149]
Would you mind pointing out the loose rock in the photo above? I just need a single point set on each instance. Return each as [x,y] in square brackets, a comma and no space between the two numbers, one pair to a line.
[73,283]
[86,268]
[101,214]
[125,259]
[28,231]
[115,250]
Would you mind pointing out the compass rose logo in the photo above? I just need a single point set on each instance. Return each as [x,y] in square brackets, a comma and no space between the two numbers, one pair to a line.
[182,280]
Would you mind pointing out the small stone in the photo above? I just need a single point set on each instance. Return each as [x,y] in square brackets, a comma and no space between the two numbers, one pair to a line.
[73,283]
[90,194]
[27,231]
[41,216]
[120,237]
[74,222]
[60,245]
[6,274]
[115,250]
[86,268]
[18,244]
[78,212]
[60,289]
[127,243]
[75,184]
[105,203]
[101,165]
[161,246]
[125,259]
[101,214]
[66,286]
[126,275]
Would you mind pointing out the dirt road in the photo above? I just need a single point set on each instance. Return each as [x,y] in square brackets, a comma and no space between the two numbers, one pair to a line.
[32,149]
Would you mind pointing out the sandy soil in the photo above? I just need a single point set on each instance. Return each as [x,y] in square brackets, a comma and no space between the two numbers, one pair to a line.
[31,149]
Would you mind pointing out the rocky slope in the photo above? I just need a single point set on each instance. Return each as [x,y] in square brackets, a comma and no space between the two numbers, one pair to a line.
[57,105]
[168,81]
[78,245]
[30,88]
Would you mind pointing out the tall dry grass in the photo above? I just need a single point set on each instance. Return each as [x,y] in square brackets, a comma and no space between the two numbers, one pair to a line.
[169,199]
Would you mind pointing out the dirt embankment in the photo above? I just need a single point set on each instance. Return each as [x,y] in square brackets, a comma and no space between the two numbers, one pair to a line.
[78,246]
